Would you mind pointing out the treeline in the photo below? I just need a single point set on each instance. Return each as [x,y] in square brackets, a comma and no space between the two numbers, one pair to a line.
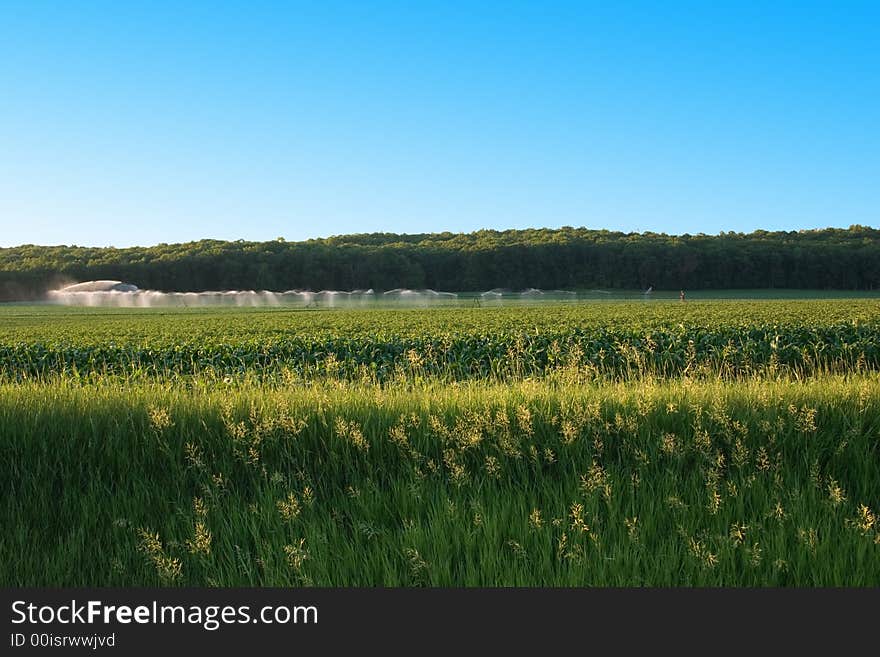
[566,258]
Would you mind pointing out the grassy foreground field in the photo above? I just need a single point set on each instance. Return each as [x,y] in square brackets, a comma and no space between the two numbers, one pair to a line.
[670,483]
[726,472]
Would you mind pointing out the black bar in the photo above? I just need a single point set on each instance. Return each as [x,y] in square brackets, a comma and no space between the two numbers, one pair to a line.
[323,621]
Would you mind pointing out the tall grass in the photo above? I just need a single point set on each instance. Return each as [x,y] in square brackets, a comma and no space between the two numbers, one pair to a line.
[557,481]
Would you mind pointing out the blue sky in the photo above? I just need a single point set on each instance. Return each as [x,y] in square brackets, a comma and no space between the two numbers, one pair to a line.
[127,123]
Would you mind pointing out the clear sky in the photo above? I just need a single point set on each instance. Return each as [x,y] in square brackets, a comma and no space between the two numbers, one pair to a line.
[128,123]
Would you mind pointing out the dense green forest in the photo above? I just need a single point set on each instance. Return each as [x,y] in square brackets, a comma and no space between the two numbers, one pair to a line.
[566,258]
